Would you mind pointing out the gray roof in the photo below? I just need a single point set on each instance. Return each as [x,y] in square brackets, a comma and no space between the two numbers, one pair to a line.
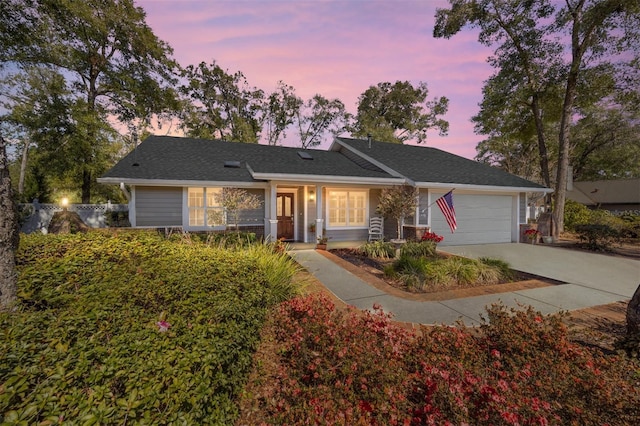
[432,165]
[175,158]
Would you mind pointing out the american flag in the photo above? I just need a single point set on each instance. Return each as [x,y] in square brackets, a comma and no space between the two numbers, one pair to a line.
[446,206]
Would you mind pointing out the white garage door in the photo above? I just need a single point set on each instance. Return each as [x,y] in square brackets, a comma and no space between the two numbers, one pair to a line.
[481,219]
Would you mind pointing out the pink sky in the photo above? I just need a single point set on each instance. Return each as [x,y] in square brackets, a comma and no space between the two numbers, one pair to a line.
[335,48]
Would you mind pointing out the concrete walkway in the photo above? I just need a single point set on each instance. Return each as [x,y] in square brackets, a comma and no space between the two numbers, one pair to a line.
[591,280]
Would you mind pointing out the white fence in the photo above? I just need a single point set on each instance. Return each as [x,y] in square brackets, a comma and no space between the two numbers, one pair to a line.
[38,216]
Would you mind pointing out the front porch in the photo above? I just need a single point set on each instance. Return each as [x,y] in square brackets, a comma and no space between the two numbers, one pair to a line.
[301,213]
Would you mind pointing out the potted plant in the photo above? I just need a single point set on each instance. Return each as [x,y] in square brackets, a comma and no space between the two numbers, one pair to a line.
[532,234]
[322,242]
[312,227]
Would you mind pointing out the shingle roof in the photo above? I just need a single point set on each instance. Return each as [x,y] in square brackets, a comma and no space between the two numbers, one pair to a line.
[432,165]
[169,158]
[177,158]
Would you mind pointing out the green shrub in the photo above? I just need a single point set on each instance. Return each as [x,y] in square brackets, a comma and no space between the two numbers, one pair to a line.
[117,219]
[378,249]
[419,249]
[630,226]
[128,327]
[575,214]
[598,237]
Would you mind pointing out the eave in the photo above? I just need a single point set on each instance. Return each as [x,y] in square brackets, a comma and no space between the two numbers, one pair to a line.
[483,188]
[166,182]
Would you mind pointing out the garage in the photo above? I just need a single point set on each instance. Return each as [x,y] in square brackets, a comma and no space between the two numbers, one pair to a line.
[481,219]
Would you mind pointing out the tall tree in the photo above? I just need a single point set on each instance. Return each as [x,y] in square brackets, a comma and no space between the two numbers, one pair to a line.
[399,112]
[113,64]
[316,117]
[9,236]
[281,109]
[606,144]
[221,105]
[38,115]
[530,52]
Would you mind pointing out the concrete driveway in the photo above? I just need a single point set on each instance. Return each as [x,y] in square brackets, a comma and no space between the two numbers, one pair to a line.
[590,280]
[616,275]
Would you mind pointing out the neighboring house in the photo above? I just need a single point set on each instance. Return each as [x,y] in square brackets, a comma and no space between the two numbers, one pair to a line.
[173,182]
[613,195]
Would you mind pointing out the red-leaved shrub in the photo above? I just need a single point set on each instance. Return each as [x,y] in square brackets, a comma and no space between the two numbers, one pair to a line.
[519,368]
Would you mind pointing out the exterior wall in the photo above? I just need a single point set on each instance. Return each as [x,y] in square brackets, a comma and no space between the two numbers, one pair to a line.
[158,206]
[348,234]
[523,208]
[631,208]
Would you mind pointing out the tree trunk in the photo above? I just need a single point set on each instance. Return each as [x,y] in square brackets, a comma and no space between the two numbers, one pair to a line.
[86,187]
[23,167]
[9,236]
[542,144]
[564,149]
[633,314]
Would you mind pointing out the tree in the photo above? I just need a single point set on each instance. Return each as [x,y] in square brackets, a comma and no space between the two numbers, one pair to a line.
[281,109]
[399,112]
[221,105]
[398,202]
[318,116]
[606,143]
[530,50]
[235,200]
[113,65]
[9,236]
[39,107]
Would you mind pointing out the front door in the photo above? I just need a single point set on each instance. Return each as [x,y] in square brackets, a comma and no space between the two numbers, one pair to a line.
[284,212]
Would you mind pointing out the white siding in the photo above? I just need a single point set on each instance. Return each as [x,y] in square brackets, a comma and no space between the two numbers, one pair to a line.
[158,206]
[481,219]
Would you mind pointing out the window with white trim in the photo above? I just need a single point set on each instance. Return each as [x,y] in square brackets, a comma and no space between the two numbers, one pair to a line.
[204,209]
[347,208]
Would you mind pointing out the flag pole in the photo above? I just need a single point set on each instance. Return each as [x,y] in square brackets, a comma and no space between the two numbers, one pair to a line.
[422,211]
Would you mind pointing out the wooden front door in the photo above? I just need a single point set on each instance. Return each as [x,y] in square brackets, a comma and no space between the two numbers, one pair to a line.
[284,212]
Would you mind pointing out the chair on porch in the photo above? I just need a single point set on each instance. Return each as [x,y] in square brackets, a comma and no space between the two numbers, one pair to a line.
[376,231]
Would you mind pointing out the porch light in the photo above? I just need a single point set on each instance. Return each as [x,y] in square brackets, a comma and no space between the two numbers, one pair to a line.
[64,202]
[312,195]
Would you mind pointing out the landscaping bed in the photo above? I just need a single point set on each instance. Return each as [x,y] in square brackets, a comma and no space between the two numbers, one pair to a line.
[373,271]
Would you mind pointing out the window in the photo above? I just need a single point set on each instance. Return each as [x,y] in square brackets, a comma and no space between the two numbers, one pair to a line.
[203,205]
[347,208]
